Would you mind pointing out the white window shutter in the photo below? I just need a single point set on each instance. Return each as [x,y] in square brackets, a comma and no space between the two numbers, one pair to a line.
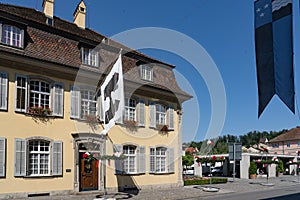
[171,160]
[152,115]
[58,100]
[2,156]
[141,113]
[100,108]
[75,102]
[152,160]
[3,90]
[20,157]
[142,160]
[118,162]
[171,118]
[21,93]
[57,160]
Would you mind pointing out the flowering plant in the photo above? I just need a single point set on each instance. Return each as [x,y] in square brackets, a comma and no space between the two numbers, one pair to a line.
[39,110]
[130,125]
[89,157]
[212,160]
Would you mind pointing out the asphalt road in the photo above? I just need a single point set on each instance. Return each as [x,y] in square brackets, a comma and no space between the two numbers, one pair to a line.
[284,193]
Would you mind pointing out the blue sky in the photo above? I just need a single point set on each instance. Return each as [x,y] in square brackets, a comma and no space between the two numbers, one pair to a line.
[225,29]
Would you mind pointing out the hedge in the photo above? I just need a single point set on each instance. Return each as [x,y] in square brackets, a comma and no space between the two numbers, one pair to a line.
[205,181]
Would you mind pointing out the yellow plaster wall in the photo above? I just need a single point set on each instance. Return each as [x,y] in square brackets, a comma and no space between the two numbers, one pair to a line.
[18,125]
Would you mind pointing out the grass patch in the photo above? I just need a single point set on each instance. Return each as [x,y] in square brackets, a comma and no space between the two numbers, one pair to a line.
[204,181]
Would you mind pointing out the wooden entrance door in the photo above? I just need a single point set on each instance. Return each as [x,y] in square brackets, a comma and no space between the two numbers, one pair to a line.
[88,175]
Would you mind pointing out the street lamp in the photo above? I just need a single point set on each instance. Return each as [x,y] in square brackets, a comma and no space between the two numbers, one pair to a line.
[209,143]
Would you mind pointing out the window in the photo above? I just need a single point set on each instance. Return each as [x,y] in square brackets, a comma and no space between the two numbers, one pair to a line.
[84,102]
[89,57]
[146,72]
[3,90]
[130,161]
[39,158]
[161,160]
[32,93]
[288,145]
[298,143]
[2,156]
[129,113]
[134,162]
[39,95]
[32,157]
[275,145]
[160,114]
[88,103]
[12,35]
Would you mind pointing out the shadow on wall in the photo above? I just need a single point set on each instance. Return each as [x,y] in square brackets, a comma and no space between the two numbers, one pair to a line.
[127,184]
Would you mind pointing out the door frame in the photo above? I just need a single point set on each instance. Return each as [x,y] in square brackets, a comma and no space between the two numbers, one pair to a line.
[83,138]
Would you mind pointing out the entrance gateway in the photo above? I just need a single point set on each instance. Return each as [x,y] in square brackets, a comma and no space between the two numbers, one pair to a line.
[88,172]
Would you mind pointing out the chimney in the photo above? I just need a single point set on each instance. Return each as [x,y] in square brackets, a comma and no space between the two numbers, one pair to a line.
[48,7]
[79,15]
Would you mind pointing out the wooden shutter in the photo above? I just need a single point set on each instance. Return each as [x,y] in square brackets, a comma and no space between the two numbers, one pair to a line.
[152,160]
[3,90]
[141,113]
[171,160]
[152,115]
[20,157]
[58,100]
[57,160]
[21,93]
[142,160]
[170,118]
[75,102]
[2,156]
[118,162]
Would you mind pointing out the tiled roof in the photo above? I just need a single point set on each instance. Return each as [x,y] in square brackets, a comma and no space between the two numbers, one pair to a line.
[61,42]
[293,134]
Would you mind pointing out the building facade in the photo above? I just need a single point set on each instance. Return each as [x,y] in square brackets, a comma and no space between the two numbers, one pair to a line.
[50,110]
[287,143]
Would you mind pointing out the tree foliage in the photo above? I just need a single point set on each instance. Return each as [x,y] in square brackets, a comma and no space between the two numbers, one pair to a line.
[221,143]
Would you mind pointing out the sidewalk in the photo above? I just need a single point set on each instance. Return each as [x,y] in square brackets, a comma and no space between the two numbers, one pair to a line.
[236,186]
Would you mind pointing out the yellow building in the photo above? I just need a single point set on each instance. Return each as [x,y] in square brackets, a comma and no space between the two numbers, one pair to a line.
[50,73]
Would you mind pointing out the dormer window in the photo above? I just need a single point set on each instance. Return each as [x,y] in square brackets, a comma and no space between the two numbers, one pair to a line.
[12,35]
[89,57]
[49,21]
[146,73]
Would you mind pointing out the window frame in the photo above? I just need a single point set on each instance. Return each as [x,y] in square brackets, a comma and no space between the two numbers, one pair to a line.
[38,153]
[127,161]
[130,109]
[160,114]
[11,38]
[3,91]
[88,101]
[22,157]
[23,94]
[146,72]
[155,160]
[89,57]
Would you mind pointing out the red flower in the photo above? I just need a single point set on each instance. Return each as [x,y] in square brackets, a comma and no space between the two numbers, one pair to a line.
[222,157]
[214,158]
[85,155]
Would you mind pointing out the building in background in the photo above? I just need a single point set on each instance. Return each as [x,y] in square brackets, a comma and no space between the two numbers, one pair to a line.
[287,143]
[50,110]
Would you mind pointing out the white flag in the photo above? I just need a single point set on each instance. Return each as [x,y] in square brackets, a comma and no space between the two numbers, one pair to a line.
[112,94]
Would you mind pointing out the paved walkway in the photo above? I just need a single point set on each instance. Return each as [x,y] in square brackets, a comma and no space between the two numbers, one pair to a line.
[236,186]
